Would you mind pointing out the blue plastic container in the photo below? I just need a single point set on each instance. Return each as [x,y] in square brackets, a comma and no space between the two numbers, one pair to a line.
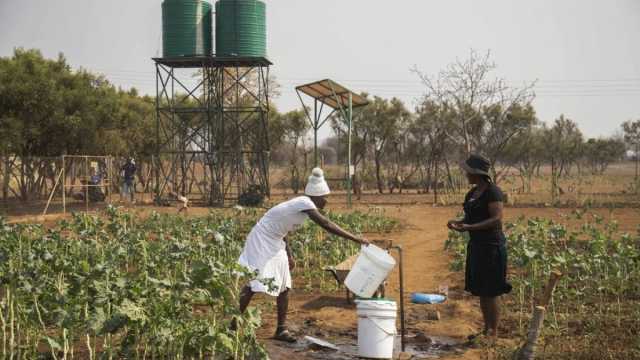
[420,298]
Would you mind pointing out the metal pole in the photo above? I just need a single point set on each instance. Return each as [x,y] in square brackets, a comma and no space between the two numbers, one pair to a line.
[156,161]
[350,118]
[402,319]
[316,121]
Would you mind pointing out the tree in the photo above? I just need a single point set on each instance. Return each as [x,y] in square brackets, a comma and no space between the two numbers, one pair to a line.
[387,121]
[428,133]
[296,128]
[566,147]
[499,128]
[563,146]
[469,90]
[360,133]
[632,137]
[600,153]
[48,110]
[129,133]
[526,153]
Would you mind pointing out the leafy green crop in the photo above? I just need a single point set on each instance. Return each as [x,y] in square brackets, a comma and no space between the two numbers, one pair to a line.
[120,286]
[124,287]
[596,303]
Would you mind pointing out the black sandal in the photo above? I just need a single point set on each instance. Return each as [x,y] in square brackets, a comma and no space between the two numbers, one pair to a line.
[285,336]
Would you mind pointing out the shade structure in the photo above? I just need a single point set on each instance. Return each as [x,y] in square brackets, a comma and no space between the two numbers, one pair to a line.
[332,94]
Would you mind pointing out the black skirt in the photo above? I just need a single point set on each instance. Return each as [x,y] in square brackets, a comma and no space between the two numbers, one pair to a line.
[486,270]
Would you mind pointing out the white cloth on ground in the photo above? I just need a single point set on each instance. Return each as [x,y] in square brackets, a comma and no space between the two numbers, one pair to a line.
[264,251]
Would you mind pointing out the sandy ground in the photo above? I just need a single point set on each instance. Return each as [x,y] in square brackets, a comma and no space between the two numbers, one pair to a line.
[425,270]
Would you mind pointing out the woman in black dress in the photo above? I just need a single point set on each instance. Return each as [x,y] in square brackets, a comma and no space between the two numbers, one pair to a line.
[486,265]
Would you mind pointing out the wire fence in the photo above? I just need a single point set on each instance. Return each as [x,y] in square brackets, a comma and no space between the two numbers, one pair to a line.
[40,181]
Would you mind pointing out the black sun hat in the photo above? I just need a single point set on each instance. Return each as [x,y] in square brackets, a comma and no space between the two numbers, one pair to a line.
[476,165]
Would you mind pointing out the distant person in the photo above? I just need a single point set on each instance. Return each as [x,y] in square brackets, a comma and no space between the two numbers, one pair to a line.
[95,190]
[486,264]
[267,252]
[92,187]
[128,172]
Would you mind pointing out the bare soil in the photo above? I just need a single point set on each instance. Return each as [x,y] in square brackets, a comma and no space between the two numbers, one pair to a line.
[426,268]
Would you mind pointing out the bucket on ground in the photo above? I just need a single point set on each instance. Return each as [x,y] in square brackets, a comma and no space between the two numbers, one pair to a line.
[369,271]
[376,328]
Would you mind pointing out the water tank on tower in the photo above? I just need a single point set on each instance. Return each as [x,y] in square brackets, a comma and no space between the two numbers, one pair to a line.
[241,28]
[186,28]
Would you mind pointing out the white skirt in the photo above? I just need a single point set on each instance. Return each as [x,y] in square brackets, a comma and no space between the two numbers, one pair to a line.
[274,278]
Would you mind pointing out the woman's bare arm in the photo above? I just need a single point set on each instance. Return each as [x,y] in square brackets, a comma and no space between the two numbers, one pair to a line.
[332,228]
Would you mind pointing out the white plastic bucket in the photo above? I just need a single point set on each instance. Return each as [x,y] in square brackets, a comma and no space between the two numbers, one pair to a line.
[369,271]
[376,328]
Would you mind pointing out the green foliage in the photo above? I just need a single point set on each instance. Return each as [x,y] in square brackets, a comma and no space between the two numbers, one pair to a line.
[118,285]
[162,285]
[360,132]
[600,153]
[47,109]
[632,133]
[597,296]
[563,143]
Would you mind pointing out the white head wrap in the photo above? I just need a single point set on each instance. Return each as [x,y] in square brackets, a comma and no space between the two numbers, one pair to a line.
[317,186]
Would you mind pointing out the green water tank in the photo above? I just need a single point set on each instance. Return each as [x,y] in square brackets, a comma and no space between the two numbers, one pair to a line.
[186,28]
[241,28]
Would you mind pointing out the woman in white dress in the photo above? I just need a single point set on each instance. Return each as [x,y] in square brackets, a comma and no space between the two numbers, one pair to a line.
[267,253]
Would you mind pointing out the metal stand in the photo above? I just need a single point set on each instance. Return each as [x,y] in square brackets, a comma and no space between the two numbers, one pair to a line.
[212,139]
[402,318]
[338,99]
[81,166]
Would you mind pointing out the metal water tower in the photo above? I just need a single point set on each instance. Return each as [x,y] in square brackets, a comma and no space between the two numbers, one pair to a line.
[212,134]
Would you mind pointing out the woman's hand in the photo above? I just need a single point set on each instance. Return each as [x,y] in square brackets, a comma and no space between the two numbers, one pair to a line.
[459,226]
[453,224]
[363,241]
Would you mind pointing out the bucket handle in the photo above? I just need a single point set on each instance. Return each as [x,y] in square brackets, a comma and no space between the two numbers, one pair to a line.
[373,320]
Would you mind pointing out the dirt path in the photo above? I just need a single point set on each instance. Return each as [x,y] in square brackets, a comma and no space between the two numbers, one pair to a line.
[425,269]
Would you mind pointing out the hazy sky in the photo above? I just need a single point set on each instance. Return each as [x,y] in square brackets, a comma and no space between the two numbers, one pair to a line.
[585,54]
